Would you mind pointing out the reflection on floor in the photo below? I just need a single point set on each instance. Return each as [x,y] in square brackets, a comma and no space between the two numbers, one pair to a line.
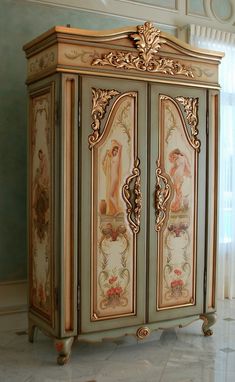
[174,355]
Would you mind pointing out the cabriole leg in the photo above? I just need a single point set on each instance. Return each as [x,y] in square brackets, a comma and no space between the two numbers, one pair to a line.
[209,320]
[63,347]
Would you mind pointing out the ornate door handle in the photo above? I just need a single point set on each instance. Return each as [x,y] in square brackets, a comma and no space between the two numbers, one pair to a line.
[162,195]
[133,198]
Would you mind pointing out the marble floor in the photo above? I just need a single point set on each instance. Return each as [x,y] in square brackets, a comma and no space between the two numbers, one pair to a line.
[173,355]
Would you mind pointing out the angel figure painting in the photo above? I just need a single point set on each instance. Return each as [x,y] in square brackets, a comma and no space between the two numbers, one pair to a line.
[112,163]
[179,171]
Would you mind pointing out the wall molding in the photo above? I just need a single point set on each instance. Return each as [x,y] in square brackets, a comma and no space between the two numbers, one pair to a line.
[13,297]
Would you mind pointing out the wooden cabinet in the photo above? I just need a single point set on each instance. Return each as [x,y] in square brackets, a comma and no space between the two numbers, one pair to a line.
[123,141]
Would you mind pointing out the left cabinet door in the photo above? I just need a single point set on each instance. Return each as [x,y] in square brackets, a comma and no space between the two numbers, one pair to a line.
[43,98]
[112,209]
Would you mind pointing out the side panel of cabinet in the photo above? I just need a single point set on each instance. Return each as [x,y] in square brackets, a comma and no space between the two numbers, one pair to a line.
[177,221]
[212,200]
[43,204]
[112,203]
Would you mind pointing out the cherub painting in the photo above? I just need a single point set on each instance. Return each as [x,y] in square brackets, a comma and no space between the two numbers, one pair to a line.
[180,169]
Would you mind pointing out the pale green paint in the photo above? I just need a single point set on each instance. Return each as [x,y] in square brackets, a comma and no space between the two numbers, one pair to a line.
[20,22]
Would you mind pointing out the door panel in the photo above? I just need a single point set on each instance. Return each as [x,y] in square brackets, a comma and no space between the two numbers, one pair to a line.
[43,99]
[178,178]
[113,199]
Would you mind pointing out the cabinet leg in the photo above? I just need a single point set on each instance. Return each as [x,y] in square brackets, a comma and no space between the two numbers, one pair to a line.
[31,331]
[209,320]
[63,347]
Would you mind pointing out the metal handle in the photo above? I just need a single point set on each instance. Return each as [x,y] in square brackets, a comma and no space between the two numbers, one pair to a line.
[133,211]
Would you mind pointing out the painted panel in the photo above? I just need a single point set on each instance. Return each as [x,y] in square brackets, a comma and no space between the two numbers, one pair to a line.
[176,225]
[196,7]
[114,239]
[41,208]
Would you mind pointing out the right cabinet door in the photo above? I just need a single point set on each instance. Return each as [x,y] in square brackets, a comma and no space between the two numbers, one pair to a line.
[177,201]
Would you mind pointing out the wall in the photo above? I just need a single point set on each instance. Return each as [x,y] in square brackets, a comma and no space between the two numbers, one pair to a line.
[22,20]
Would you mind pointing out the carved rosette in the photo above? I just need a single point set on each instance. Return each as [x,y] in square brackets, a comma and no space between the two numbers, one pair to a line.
[148,42]
[133,210]
[191,110]
[100,101]
[143,332]
[162,194]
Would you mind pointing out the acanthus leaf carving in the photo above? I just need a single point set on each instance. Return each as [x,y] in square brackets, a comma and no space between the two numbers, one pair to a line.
[191,109]
[148,43]
[162,195]
[100,101]
[133,211]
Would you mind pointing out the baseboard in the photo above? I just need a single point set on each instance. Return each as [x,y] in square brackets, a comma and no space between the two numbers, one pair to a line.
[13,297]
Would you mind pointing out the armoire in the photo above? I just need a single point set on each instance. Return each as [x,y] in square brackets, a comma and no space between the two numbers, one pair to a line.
[122,183]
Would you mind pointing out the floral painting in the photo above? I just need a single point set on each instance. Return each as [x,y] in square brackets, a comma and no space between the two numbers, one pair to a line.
[114,241]
[177,237]
[41,205]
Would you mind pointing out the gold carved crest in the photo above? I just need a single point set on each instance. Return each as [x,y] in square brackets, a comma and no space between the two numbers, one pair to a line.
[148,42]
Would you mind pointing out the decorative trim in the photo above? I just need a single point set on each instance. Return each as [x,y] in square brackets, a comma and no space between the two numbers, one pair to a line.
[162,195]
[143,332]
[148,42]
[191,110]
[126,194]
[100,101]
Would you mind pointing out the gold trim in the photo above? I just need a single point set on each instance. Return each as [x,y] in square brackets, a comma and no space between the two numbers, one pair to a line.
[143,332]
[162,195]
[148,42]
[100,101]
[191,109]
[135,209]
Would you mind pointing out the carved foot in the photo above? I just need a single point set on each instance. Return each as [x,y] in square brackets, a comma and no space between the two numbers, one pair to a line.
[209,320]
[63,347]
[31,331]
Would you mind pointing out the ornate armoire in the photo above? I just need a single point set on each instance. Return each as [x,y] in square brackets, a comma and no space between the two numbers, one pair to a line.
[122,185]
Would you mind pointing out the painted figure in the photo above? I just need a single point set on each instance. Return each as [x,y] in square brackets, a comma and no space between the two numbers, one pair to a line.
[112,169]
[179,170]
[41,196]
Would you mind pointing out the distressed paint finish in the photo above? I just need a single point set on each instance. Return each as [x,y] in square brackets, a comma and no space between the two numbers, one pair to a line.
[114,242]
[41,209]
[177,238]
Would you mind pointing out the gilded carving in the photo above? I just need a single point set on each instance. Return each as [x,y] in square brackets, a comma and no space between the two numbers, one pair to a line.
[135,209]
[148,43]
[191,109]
[143,332]
[162,194]
[100,101]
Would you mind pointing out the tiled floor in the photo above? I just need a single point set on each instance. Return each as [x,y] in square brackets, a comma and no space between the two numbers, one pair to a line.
[175,355]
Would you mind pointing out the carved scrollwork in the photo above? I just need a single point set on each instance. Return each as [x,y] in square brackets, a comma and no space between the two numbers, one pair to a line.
[100,101]
[191,110]
[162,194]
[148,42]
[133,211]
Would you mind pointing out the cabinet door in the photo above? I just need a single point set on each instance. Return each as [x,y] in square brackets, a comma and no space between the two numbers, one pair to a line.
[112,203]
[43,216]
[177,216]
